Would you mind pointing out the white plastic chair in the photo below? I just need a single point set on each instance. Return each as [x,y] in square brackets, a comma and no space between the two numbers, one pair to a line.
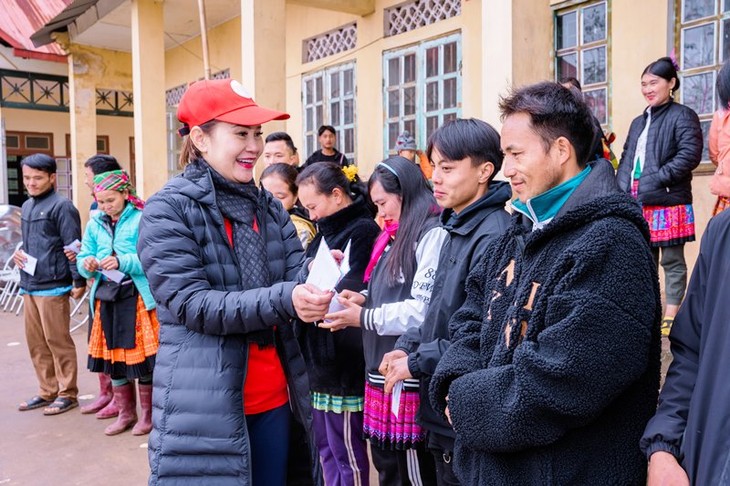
[10,276]
[79,313]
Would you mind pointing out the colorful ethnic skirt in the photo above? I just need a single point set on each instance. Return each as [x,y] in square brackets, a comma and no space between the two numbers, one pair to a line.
[668,225]
[721,205]
[381,426]
[136,362]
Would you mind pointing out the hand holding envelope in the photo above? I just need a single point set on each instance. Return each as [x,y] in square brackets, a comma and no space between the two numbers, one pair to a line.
[326,272]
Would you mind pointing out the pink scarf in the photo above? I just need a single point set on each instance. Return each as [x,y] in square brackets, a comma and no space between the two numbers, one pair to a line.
[381,243]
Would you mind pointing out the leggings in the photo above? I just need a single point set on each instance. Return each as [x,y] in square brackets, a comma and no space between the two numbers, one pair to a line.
[675,272]
[268,434]
[121,381]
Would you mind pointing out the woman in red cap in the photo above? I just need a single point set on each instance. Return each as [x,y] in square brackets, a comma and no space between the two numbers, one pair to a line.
[223,260]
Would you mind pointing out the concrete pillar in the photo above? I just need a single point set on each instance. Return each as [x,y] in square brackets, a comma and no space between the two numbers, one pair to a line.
[148,80]
[3,161]
[84,72]
[263,52]
[497,56]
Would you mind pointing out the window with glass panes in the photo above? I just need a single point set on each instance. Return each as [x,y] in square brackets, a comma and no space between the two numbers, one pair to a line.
[426,80]
[328,97]
[704,44]
[581,52]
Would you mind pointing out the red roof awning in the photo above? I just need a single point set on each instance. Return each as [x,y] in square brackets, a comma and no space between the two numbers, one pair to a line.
[22,18]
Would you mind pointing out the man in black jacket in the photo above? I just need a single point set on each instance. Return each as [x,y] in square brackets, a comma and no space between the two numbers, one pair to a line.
[553,368]
[465,155]
[49,222]
[688,440]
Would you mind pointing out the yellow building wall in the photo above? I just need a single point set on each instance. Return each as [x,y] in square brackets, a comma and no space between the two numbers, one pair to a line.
[53,122]
[119,129]
[532,41]
[184,63]
[305,22]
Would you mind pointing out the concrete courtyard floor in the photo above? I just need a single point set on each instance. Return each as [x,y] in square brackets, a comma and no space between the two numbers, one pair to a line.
[68,449]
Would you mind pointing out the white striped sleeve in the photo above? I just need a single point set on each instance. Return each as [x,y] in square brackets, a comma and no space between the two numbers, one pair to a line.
[396,318]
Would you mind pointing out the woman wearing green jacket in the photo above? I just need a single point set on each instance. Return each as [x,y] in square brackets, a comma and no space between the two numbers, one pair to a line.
[124,334]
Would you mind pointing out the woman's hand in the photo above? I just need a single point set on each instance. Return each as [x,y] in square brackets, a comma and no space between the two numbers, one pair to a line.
[109,263]
[310,303]
[348,317]
[91,264]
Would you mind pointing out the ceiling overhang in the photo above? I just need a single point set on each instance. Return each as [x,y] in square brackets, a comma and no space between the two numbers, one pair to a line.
[357,7]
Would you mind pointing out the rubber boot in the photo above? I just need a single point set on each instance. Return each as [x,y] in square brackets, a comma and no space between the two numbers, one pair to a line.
[110,411]
[105,395]
[144,426]
[125,398]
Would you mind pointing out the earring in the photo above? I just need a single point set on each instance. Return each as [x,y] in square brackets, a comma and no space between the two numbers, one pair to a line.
[671,93]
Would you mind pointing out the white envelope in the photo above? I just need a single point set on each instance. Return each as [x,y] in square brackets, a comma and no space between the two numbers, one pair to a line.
[74,246]
[395,398]
[30,264]
[324,273]
[114,275]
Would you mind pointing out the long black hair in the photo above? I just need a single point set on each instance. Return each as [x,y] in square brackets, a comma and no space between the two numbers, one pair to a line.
[328,176]
[403,178]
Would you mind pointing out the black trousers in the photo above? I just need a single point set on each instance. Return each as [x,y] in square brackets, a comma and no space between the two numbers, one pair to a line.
[413,467]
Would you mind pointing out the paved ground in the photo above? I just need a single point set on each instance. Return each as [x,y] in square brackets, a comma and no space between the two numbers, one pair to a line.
[68,449]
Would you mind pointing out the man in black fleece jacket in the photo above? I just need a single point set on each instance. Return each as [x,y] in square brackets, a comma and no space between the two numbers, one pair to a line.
[553,369]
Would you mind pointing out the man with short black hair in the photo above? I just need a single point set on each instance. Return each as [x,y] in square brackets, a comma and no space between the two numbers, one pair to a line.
[465,156]
[49,222]
[280,149]
[553,368]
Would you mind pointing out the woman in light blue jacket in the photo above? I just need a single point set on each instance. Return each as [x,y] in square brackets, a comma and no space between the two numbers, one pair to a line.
[125,332]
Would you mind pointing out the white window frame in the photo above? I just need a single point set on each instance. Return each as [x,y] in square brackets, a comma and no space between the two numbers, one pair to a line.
[579,50]
[418,121]
[717,19]
[328,117]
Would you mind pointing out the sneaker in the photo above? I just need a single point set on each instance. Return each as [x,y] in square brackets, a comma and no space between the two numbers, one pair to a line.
[667,326]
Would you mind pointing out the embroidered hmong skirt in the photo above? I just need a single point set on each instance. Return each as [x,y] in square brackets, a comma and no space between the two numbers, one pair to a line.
[382,427]
[668,225]
[721,205]
[131,363]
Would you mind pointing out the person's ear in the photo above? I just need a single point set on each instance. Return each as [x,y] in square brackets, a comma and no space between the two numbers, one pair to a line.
[125,193]
[485,172]
[338,195]
[564,149]
[199,139]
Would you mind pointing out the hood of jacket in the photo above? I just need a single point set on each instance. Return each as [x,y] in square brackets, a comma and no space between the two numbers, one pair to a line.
[596,198]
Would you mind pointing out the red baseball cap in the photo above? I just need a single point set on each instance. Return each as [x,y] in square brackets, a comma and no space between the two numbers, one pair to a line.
[224,100]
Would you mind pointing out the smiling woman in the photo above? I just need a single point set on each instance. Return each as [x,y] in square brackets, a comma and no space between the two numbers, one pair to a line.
[223,259]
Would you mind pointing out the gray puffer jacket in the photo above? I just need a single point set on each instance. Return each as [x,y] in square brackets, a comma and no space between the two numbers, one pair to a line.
[199,435]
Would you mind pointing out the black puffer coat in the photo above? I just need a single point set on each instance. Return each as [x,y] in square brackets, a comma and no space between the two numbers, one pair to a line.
[199,434]
[673,150]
